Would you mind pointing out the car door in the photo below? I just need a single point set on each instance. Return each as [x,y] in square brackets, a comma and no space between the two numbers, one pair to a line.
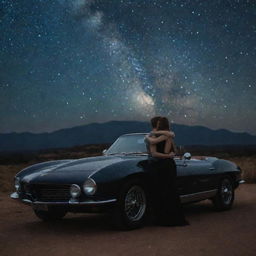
[194,176]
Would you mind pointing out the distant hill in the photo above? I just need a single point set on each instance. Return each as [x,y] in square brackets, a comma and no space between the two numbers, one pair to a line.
[96,133]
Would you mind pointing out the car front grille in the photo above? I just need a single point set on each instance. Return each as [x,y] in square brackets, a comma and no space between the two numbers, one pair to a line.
[51,193]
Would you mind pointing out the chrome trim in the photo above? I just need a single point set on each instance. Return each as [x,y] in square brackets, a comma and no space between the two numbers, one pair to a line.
[93,181]
[198,196]
[241,181]
[98,202]
[134,133]
[75,186]
[187,156]
[73,201]
[17,184]
[70,202]
[26,201]
[14,195]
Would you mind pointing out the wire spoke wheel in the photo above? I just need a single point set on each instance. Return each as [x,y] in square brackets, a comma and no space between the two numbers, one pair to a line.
[226,191]
[225,196]
[135,203]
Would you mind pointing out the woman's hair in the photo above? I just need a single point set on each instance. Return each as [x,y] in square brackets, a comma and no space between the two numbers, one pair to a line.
[154,121]
[163,124]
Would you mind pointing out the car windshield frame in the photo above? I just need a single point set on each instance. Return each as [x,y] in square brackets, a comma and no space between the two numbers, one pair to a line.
[121,152]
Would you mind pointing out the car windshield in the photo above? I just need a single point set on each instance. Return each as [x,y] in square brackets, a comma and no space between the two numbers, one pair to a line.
[128,144]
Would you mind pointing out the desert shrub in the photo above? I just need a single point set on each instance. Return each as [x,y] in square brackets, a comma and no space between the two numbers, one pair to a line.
[248,166]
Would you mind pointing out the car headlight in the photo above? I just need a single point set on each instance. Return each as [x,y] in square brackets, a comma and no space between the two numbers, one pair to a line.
[90,187]
[75,191]
[17,184]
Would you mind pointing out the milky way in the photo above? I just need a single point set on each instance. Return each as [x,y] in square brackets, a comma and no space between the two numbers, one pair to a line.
[71,62]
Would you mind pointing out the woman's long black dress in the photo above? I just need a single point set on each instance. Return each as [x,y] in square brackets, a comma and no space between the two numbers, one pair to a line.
[168,207]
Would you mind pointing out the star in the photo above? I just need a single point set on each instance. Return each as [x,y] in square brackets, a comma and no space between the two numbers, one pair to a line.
[73,62]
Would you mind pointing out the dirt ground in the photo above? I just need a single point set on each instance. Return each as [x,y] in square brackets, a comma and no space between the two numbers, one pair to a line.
[210,233]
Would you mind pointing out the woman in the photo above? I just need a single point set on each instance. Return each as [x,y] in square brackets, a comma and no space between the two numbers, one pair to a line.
[168,207]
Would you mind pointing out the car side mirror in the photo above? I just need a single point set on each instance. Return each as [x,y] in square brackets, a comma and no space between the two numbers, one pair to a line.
[187,156]
[104,151]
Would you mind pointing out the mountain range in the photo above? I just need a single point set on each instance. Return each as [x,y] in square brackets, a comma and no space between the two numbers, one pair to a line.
[98,133]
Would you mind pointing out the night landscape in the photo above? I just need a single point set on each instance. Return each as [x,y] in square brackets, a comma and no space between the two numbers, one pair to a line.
[77,74]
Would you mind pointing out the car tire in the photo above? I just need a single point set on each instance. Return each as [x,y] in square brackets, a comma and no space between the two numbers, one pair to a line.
[51,214]
[131,208]
[225,195]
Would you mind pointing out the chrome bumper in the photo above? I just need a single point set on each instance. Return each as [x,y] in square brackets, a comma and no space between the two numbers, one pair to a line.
[72,202]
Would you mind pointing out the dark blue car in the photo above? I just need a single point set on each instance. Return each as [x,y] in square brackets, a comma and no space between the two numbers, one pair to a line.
[117,182]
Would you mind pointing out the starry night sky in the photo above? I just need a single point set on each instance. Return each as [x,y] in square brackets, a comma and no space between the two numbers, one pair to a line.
[72,62]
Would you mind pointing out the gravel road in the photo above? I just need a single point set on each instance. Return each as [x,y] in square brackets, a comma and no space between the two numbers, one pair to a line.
[210,233]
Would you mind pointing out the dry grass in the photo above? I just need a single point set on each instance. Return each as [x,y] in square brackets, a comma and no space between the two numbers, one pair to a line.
[248,166]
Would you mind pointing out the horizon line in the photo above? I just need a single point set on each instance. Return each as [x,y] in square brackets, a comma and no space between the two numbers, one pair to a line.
[71,127]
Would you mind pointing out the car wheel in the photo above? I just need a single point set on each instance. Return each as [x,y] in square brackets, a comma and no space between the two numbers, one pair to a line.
[225,195]
[131,208]
[51,214]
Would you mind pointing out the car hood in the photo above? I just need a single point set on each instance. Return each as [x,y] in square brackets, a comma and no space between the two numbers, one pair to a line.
[74,171]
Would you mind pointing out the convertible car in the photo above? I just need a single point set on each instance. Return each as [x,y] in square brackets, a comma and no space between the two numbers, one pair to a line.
[118,182]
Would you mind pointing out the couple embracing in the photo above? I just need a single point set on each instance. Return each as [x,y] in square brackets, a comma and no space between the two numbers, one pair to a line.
[162,169]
